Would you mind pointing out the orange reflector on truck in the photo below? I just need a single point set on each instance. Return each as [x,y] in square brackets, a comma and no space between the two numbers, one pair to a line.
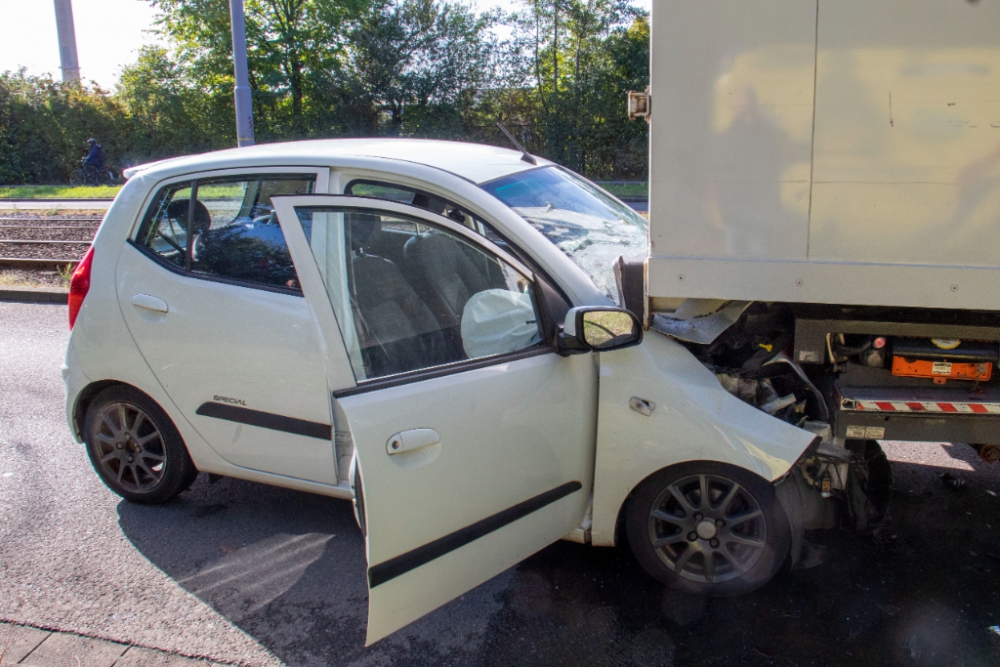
[941,370]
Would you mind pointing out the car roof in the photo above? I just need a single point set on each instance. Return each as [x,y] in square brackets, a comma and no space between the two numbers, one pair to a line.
[478,163]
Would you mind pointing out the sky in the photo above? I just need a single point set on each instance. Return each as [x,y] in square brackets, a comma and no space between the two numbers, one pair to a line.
[109,33]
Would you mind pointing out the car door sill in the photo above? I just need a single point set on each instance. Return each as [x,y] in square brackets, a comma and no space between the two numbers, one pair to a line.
[341,490]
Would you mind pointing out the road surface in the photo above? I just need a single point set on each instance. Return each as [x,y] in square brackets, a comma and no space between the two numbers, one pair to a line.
[243,573]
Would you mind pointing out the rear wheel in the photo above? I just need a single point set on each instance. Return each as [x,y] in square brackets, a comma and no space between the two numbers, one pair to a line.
[135,448]
[708,528]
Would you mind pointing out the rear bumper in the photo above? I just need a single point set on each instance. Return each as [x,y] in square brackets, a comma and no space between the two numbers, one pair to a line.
[931,414]
[75,382]
[927,427]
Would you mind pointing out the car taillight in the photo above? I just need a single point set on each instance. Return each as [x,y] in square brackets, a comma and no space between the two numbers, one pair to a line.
[79,285]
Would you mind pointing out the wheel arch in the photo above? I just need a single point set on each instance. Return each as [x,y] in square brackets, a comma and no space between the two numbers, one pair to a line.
[620,536]
[87,396]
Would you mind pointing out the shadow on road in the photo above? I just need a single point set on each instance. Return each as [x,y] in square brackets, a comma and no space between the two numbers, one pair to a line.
[289,569]
[286,567]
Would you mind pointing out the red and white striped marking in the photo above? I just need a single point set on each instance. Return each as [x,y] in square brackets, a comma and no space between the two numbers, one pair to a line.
[926,406]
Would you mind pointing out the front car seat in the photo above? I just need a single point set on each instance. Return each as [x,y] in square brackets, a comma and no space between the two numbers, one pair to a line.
[397,330]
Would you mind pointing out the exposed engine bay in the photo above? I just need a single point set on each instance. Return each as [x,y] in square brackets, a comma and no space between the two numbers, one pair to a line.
[749,348]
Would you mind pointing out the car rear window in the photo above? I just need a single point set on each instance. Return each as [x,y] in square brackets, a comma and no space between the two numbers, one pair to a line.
[224,229]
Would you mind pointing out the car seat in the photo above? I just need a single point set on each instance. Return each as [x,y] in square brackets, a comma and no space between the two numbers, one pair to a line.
[448,274]
[398,332]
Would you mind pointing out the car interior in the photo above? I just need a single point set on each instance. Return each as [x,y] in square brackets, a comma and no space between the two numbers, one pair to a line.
[409,285]
[409,282]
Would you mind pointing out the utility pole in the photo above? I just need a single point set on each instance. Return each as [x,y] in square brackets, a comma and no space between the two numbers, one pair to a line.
[68,62]
[244,103]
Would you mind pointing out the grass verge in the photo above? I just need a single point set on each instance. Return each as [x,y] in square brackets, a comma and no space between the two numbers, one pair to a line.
[35,279]
[59,191]
[638,189]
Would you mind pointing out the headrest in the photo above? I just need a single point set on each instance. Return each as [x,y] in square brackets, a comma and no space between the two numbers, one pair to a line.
[178,210]
[436,252]
[364,229]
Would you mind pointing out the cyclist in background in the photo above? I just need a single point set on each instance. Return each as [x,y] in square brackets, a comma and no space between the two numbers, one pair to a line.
[92,170]
[95,158]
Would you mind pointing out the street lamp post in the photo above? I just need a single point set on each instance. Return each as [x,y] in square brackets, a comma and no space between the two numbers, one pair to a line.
[68,62]
[244,103]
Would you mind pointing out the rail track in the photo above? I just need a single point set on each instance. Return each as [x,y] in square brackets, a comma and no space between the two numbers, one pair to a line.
[44,243]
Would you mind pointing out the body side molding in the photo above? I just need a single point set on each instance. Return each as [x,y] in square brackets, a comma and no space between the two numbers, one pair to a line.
[265,420]
[394,567]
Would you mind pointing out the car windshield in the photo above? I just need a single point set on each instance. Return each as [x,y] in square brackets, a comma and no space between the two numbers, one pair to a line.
[590,226]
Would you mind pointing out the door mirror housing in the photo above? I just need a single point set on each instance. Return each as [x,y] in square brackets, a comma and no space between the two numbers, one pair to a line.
[598,329]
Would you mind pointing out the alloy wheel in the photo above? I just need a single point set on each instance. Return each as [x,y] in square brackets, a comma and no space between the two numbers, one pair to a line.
[707,528]
[129,447]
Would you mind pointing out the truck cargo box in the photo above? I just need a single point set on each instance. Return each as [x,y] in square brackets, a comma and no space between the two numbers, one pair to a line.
[826,151]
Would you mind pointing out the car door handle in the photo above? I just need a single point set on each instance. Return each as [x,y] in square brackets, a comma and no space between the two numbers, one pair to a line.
[408,441]
[149,303]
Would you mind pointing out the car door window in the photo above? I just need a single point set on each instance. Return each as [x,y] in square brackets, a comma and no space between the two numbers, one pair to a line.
[225,229]
[425,200]
[411,295]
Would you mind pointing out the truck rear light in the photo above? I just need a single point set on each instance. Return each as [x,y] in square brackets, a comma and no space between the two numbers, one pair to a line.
[79,285]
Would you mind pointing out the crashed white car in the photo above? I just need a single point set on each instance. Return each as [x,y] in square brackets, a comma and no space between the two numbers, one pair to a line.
[431,329]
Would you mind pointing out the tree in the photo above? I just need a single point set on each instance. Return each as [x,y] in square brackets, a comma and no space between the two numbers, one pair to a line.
[167,116]
[291,45]
[321,68]
[579,82]
[409,58]
[44,126]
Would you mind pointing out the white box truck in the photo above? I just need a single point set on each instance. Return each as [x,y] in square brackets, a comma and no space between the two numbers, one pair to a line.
[824,192]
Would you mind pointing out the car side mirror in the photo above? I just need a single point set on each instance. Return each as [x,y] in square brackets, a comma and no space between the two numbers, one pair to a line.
[597,329]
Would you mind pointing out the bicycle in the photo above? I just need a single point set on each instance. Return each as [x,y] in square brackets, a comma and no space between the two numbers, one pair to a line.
[88,174]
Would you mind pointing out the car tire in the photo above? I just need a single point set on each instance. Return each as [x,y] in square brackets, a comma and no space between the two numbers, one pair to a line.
[708,528]
[135,447]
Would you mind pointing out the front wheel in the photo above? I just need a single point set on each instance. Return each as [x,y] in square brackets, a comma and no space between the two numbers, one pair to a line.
[135,448]
[708,528]
[78,177]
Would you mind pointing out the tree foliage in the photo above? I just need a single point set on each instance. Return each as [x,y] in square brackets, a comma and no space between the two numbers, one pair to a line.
[327,68]
[415,58]
[44,126]
[579,58]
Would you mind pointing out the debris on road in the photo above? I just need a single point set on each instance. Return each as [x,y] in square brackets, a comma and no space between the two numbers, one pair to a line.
[951,480]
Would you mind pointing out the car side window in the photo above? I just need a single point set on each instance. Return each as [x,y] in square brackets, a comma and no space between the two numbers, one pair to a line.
[409,295]
[165,230]
[425,200]
[225,228]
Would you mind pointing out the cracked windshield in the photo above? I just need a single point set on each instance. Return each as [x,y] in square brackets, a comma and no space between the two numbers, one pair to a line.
[592,228]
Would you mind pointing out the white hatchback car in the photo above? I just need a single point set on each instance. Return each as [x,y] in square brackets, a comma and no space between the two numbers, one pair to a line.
[425,327]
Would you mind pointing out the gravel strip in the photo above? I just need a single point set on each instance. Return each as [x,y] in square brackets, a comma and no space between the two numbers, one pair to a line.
[22,251]
[30,226]
[84,234]
[6,216]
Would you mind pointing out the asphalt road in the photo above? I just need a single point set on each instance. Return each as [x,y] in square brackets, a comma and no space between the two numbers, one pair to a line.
[244,573]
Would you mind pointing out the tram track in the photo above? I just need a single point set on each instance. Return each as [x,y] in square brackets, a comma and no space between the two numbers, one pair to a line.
[37,244]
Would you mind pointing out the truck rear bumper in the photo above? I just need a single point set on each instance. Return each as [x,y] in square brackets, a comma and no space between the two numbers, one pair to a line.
[935,415]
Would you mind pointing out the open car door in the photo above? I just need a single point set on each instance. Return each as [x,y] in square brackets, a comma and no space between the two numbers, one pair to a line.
[474,440]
